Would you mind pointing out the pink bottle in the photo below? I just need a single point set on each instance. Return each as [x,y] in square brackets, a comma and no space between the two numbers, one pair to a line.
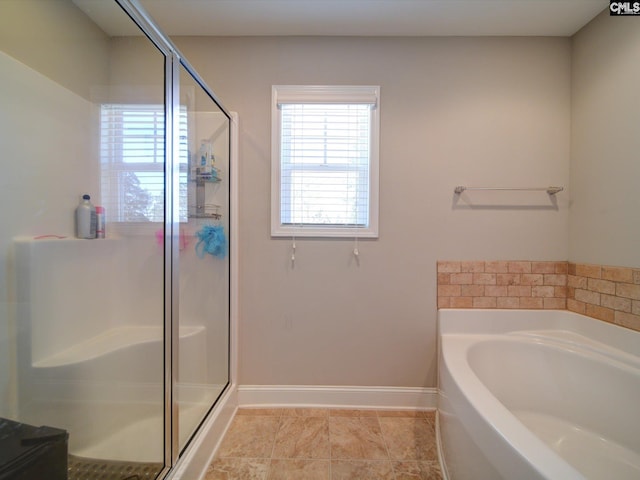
[100,222]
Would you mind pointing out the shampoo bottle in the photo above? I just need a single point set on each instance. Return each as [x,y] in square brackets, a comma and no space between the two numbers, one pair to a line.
[86,218]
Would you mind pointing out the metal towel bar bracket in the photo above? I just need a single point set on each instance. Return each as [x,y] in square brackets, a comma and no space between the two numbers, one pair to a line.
[550,190]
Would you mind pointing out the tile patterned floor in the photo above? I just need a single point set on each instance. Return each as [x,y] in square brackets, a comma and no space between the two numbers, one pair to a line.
[328,444]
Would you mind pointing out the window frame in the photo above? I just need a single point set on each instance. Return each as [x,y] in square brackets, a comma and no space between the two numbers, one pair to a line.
[326,94]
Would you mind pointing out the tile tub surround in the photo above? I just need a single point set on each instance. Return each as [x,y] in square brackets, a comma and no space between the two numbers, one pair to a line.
[328,444]
[502,284]
[608,293]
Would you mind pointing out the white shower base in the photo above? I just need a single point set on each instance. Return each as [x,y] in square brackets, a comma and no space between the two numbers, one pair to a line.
[107,392]
[127,431]
[142,440]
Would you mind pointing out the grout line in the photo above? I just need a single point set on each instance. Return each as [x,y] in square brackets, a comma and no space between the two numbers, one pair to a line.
[328,418]
[275,437]
[386,446]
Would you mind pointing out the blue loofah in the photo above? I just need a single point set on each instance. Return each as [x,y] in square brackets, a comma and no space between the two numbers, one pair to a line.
[211,240]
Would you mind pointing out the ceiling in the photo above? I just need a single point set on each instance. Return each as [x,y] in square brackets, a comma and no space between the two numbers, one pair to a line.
[355,17]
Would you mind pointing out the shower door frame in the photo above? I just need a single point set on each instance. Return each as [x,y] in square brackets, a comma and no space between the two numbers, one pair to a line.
[173,61]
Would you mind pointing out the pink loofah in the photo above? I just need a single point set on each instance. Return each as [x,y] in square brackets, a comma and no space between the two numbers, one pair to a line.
[184,241]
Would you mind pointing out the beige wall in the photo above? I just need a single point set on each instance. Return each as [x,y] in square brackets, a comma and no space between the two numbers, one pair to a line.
[58,40]
[475,111]
[605,169]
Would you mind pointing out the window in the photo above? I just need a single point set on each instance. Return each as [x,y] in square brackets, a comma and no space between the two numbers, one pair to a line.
[132,161]
[324,163]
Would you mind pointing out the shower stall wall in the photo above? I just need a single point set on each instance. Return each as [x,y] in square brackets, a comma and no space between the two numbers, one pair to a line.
[123,342]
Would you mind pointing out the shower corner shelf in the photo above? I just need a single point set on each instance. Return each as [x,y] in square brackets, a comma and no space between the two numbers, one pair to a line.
[202,178]
[208,210]
[206,179]
[212,216]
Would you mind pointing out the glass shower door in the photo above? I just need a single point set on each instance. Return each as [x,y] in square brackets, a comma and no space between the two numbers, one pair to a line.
[203,348]
[82,320]
[107,339]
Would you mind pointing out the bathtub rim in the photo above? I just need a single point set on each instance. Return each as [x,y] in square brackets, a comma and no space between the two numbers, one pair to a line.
[458,322]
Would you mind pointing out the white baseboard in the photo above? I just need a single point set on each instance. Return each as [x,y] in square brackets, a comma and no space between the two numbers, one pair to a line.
[384,398]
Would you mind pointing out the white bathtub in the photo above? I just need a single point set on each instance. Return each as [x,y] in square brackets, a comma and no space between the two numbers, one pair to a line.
[530,394]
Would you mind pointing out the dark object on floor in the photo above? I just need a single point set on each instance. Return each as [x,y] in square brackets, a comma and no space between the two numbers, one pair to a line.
[30,453]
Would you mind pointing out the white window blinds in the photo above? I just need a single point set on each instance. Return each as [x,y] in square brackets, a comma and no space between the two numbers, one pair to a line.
[132,162]
[325,161]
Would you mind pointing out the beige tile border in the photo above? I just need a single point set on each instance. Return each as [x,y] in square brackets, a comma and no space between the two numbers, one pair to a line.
[608,293]
[502,284]
[611,294]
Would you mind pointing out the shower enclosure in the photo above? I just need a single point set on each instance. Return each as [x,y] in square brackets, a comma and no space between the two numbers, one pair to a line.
[118,346]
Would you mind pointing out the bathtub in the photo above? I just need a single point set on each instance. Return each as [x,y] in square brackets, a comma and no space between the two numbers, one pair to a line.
[530,394]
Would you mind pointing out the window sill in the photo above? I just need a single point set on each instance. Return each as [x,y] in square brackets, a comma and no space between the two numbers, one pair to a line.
[323,232]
